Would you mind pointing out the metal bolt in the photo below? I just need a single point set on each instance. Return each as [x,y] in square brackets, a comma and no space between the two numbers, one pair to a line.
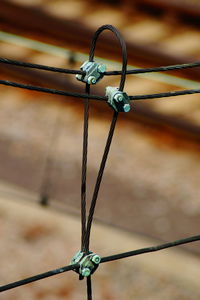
[118,97]
[85,272]
[101,68]
[96,259]
[78,76]
[91,80]
[126,107]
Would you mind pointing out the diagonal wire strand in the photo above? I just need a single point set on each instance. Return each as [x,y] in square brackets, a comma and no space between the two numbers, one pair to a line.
[150,249]
[98,181]
[37,277]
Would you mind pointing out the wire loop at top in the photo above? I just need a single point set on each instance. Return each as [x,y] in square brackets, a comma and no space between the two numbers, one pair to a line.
[123,47]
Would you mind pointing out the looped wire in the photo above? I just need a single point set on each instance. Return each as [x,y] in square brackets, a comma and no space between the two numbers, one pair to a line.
[112,126]
[123,49]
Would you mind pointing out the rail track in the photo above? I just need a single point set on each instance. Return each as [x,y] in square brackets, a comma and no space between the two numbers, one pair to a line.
[18,18]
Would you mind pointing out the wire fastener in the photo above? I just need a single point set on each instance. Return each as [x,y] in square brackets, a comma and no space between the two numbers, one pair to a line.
[87,263]
[118,100]
[93,72]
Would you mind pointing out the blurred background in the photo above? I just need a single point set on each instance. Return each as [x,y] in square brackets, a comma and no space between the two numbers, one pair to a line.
[150,192]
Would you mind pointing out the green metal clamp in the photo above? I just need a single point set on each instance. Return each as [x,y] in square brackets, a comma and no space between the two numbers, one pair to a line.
[87,263]
[93,72]
[118,100]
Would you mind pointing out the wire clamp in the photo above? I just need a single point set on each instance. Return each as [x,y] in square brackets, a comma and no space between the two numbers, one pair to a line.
[87,263]
[93,72]
[118,100]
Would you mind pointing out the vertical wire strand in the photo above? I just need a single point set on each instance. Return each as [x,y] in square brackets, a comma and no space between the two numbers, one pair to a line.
[89,288]
[84,168]
[45,186]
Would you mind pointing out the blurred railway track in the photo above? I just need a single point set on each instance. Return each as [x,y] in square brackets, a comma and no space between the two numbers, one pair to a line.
[41,23]
[58,30]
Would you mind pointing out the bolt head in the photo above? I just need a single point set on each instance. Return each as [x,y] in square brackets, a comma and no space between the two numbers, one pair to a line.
[101,68]
[118,97]
[96,259]
[78,76]
[85,272]
[126,107]
[91,80]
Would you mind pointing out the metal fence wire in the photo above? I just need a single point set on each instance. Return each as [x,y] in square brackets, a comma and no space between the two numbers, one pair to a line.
[85,262]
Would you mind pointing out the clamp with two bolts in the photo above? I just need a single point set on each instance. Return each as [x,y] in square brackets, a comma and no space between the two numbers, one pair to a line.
[118,100]
[93,72]
[87,263]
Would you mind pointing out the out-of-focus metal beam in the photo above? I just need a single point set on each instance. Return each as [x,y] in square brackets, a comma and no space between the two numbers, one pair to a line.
[35,22]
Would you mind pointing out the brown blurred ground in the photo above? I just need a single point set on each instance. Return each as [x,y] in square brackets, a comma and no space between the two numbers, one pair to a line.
[149,187]
[37,240]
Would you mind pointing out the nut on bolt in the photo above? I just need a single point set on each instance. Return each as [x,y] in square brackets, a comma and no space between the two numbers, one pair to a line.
[96,259]
[126,107]
[85,272]
[101,68]
[118,97]
[91,80]
[78,77]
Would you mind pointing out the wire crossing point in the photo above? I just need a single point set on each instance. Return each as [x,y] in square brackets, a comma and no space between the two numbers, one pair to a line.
[118,100]
[87,263]
[92,72]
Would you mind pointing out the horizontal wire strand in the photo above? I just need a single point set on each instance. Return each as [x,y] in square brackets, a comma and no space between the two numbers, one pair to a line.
[165,94]
[50,91]
[108,73]
[150,249]
[103,260]
[156,69]
[39,67]
[96,97]
[37,277]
